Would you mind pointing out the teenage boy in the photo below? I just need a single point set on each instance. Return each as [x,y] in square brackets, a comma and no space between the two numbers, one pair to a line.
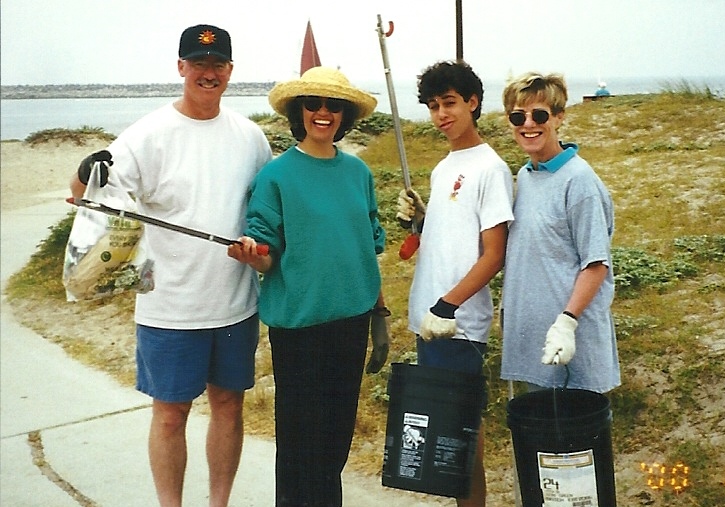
[463,239]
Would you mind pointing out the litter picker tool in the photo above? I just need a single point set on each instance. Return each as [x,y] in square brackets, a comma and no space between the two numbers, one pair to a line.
[412,242]
[102,208]
[517,487]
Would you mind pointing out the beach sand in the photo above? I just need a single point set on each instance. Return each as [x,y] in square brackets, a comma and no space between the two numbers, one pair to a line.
[28,173]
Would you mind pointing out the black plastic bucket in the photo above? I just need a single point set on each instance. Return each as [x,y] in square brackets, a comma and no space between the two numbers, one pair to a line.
[563,448]
[432,429]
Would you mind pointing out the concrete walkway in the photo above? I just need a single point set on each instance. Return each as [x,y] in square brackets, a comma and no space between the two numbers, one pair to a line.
[71,436]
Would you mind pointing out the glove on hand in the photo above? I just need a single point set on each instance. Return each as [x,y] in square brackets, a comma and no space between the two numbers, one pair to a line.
[440,321]
[560,342]
[379,335]
[103,157]
[410,207]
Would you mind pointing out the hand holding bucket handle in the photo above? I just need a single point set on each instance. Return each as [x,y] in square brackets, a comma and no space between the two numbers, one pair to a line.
[560,344]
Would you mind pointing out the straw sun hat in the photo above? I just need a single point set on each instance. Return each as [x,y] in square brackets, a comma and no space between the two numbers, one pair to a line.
[321,82]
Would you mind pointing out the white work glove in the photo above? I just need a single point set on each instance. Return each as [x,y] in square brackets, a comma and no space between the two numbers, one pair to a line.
[560,341]
[410,207]
[380,336]
[440,321]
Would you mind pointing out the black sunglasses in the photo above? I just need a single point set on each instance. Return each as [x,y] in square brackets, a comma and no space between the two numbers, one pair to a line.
[314,104]
[518,118]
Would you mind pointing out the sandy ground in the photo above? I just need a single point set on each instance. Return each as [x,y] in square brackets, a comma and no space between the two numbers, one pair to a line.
[28,173]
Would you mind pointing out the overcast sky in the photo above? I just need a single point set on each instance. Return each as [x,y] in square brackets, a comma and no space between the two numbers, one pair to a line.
[136,41]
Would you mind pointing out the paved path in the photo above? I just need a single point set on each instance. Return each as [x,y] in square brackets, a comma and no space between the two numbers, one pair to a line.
[71,436]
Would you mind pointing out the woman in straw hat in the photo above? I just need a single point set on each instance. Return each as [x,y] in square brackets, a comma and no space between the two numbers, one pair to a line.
[315,206]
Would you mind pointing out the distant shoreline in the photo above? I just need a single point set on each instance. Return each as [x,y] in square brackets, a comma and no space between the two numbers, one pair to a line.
[103,91]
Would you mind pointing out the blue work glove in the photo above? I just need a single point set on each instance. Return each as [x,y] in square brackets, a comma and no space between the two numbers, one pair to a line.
[103,158]
[440,321]
[380,337]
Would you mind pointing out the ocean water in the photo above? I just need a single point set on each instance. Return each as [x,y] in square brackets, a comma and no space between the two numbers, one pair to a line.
[20,118]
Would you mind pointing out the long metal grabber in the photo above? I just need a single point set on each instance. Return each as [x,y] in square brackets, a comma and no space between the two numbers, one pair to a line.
[393,102]
[108,210]
[411,243]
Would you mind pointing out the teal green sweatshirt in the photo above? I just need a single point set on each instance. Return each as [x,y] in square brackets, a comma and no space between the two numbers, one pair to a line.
[320,219]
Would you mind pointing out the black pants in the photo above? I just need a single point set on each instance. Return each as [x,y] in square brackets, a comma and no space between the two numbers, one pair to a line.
[317,375]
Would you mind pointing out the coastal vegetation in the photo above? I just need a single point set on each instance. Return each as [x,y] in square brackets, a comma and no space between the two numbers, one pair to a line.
[662,157]
[79,137]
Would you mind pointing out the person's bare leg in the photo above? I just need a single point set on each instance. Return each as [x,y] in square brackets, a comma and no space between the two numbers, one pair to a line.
[477,497]
[223,442]
[167,450]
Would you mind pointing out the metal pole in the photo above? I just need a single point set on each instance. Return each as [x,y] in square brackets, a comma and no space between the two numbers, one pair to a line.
[394,105]
[517,488]
[459,30]
[412,242]
[108,210]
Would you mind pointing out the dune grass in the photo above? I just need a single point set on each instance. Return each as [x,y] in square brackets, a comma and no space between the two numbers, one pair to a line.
[79,136]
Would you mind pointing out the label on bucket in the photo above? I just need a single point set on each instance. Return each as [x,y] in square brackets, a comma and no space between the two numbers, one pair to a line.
[568,480]
[412,450]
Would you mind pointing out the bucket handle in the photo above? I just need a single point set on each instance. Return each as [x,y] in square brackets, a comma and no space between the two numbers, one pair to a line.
[556,410]
[568,374]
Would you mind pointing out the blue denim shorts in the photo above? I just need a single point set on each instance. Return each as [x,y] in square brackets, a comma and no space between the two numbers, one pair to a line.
[175,365]
[458,355]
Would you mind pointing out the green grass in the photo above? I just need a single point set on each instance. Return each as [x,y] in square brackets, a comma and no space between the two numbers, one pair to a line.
[662,157]
[43,275]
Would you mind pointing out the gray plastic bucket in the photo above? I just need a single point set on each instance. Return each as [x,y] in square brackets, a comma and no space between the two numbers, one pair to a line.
[432,429]
[563,448]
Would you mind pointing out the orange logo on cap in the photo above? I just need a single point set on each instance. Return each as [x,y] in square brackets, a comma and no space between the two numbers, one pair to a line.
[207,37]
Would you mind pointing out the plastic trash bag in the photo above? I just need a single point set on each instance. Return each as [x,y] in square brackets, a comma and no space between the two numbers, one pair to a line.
[105,255]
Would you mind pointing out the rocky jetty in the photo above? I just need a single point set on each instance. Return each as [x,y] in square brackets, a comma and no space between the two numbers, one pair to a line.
[77,91]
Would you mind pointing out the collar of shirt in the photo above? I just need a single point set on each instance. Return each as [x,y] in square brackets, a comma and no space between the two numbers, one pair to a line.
[553,165]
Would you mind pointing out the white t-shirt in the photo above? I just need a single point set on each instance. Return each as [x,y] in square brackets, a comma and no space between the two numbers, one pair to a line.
[193,173]
[471,191]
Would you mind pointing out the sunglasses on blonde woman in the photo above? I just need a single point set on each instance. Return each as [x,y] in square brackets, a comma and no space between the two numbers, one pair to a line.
[518,118]
[314,104]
